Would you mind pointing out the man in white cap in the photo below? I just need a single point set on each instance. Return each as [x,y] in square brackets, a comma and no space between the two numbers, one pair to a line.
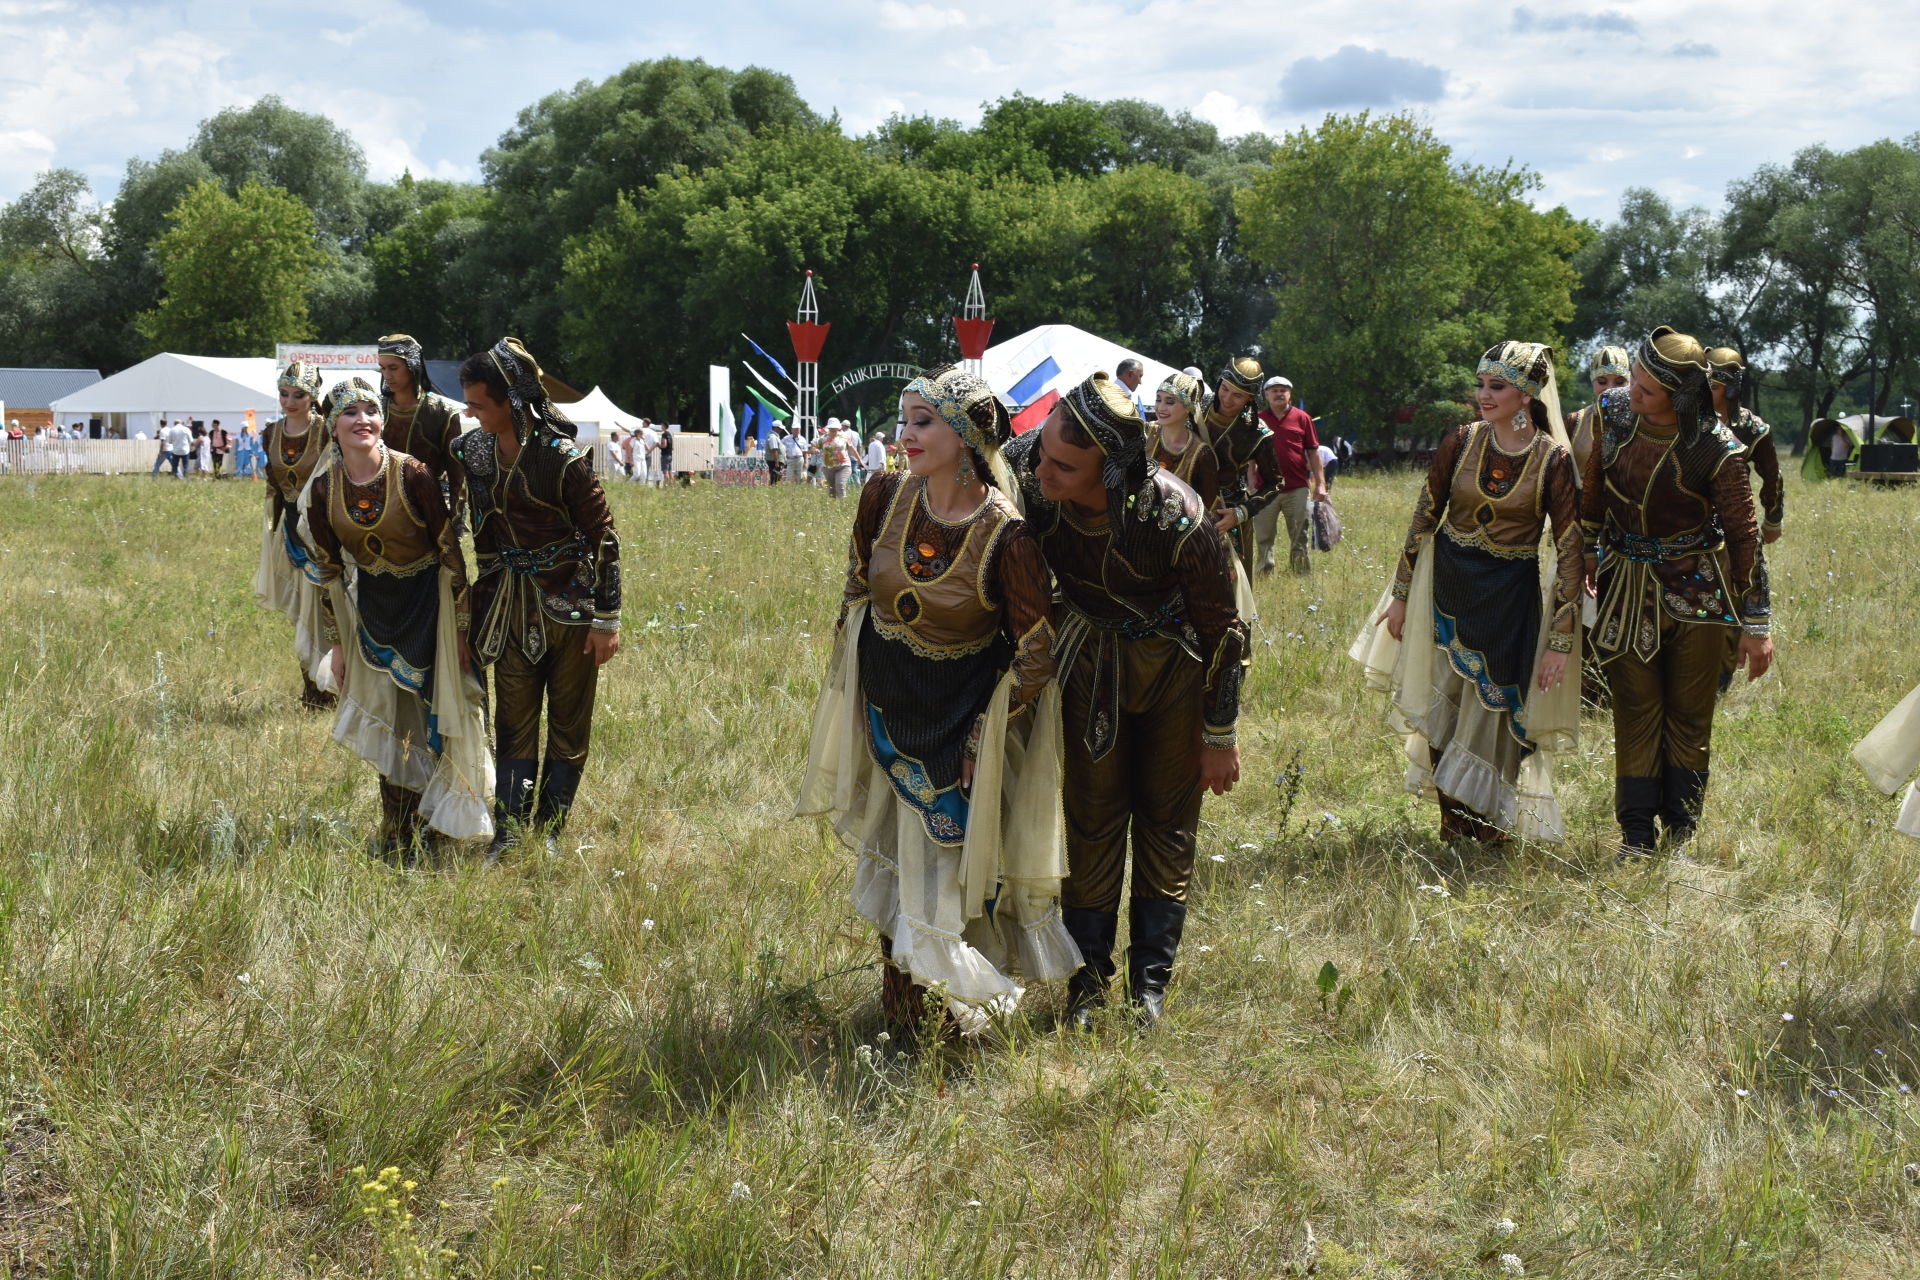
[1295,459]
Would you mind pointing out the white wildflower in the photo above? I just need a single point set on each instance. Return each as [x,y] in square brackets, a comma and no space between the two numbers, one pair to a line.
[1219,857]
[647,925]
[741,1191]
[1510,1265]
[1437,890]
[1504,1228]
[1786,1017]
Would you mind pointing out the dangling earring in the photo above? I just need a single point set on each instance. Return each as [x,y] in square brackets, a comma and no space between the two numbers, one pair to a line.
[963,475]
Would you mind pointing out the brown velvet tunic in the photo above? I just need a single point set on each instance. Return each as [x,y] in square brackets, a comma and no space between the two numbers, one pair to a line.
[393,527]
[1673,520]
[290,460]
[1763,460]
[1237,442]
[544,541]
[1481,496]
[952,605]
[426,431]
[1196,464]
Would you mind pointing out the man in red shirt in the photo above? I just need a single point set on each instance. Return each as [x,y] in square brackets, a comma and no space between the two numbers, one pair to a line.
[1296,457]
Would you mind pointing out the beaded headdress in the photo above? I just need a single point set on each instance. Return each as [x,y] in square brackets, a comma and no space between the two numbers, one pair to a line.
[1727,368]
[1610,360]
[525,392]
[967,404]
[1525,365]
[351,391]
[1186,389]
[1107,412]
[409,351]
[301,376]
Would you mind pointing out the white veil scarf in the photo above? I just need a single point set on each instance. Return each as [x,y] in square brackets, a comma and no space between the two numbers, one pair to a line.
[1404,669]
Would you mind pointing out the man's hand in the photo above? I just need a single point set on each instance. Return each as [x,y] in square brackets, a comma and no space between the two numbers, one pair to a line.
[1756,655]
[338,661]
[1219,768]
[1395,617]
[601,645]
[1319,493]
[1769,536]
[1228,520]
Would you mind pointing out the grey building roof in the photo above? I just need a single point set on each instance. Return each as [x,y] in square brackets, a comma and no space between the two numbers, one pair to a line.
[39,388]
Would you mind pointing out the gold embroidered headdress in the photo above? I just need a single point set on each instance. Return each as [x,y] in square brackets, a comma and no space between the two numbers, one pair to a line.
[351,391]
[301,376]
[967,404]
[1610,360]
[1529,366]
[1106,411]
[1244,372]
[1185,388]
[1728,368]
[1678,362]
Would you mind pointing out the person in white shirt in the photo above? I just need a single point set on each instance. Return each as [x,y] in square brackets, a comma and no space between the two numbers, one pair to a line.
[876,455]
[795,447]
[179,445]
[649,453]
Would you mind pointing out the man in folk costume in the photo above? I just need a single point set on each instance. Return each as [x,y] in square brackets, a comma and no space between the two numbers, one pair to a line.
[1669,509]
[1608,369]
[421,422]
[546,592]
[1231,426]
[1152,652]
[1755,436]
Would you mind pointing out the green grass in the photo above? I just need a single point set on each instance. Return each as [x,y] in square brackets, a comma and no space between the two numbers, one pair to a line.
[660,1054]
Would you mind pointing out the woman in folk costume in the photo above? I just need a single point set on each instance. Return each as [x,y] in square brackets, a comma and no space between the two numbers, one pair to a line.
[286,580]
[1179,449]
[936,744]
[1889,755]
[1176,446]
[409,704]
[1475,636]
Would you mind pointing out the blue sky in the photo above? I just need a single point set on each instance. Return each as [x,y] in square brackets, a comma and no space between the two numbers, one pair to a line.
[1681,97]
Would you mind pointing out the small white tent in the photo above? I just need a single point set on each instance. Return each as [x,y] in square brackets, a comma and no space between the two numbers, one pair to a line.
[1041,364]
[170,386]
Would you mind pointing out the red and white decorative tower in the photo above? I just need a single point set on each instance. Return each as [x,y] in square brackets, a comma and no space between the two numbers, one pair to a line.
[809,336]
[972,327]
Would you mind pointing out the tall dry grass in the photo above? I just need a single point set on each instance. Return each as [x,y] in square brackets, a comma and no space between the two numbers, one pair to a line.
[661,1055]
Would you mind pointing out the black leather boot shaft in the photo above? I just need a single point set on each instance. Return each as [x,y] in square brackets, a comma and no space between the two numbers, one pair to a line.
[1636,803]
[1685,795]
[1093,932]
[1157,924]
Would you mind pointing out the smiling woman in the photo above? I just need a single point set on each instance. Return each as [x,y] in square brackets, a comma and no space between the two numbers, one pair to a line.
[408,704]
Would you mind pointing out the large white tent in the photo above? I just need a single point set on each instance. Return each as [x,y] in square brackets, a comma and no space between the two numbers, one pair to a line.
[1041,364]
[595,415]
[170,386]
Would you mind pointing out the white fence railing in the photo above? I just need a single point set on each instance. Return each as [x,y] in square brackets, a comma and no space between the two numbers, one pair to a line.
[43,457]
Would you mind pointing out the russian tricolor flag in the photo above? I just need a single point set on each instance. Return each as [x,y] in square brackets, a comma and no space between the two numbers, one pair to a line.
[1027,389]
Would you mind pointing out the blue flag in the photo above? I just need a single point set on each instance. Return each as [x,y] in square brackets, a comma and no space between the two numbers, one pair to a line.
[769,359]
[746,427]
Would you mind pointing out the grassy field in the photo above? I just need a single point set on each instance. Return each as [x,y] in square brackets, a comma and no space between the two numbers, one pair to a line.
[661,1054]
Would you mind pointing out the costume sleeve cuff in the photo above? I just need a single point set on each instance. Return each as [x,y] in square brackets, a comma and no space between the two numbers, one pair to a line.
[1399,591]
[1762,628]
[1560,641]
[1219,739]
[605,622]
[1771,524]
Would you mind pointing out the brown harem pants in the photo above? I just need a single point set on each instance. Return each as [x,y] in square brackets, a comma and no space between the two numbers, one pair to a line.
[1663,709]
[1148,783]
[564,680]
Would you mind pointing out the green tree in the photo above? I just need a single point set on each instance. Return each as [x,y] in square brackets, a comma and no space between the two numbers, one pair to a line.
[559,171]
[56,304]
[1396,268]
[238,271]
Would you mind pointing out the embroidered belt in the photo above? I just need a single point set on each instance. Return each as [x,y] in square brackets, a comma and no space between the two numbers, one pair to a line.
[1162,621]
[533,560]
[1645,549]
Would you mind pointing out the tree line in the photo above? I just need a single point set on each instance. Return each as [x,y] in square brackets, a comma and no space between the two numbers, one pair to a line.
[631,230]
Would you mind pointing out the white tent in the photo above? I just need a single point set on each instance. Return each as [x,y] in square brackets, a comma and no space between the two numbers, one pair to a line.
[1048,361]
[594,414]
[170,386]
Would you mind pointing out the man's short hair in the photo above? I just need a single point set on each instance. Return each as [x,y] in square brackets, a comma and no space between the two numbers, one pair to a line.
[1129,366]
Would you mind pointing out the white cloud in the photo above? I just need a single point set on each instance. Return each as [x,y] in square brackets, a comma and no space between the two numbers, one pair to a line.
[1229,115]
[921,18]
[426,85]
